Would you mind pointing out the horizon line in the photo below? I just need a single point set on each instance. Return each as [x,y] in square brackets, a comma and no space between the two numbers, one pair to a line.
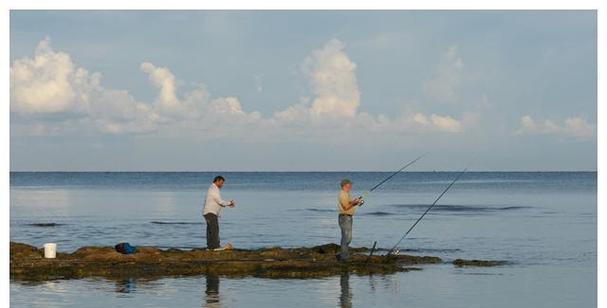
[282,171]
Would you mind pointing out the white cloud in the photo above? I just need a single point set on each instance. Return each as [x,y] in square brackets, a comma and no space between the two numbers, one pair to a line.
[196,105]
[230,110]
[51,83]
[421,119]
[117,112]
[295,114]
[572,126]
[578,127]
[336,100]
[162,78]
[437,122]
[333,80]
[446,123]
[444,84]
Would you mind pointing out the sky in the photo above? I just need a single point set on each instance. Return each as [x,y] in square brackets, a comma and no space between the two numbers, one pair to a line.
[302,90]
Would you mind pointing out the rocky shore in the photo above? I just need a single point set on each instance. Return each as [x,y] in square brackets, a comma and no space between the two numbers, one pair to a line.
[28,264]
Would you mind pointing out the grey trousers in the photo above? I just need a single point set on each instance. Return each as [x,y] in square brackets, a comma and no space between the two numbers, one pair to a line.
[345,224]
[212,231]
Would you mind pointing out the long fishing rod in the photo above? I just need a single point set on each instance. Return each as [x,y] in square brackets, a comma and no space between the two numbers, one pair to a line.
[426,212]
[364,195]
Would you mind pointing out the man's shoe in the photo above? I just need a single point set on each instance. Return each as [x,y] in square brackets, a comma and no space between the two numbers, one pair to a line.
[228,246]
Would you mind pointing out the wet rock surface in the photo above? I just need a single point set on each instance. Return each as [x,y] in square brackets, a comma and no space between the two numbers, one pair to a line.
[480,263]
[28,264]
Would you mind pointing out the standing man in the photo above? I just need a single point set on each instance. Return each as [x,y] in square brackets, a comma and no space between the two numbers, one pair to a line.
[213,204]
[346,208]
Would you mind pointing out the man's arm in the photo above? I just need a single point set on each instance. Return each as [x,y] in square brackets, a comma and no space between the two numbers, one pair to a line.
[354,202]
[220,201]
[346,204]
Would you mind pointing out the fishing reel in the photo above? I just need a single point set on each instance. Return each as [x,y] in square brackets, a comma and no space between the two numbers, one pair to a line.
[362,198]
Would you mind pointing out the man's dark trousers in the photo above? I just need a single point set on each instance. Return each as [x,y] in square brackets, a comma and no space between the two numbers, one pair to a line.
[212,231]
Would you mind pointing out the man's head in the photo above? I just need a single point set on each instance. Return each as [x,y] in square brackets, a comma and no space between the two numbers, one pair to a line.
[218,180]
[346,185]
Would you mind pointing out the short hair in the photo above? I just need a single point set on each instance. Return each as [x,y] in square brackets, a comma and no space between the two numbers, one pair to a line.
[218,178]
[344,182]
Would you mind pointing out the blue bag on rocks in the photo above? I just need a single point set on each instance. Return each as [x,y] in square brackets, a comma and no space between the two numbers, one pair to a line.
[125,248]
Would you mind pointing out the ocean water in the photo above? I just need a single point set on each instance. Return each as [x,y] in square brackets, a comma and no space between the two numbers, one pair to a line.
[543,223]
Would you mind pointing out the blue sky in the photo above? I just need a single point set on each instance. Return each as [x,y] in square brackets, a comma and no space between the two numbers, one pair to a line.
[307,90]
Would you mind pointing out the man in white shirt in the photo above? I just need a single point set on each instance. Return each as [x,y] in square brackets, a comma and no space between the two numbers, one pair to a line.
[213,204]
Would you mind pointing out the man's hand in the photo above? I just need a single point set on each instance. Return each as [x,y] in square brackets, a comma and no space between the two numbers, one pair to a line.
[232,203]
[360,201]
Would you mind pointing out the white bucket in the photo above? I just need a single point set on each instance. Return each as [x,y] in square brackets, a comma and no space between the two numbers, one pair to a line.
[50,250]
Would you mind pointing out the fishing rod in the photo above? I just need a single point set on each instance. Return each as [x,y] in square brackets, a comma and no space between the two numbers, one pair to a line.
[364,195]
[426,212]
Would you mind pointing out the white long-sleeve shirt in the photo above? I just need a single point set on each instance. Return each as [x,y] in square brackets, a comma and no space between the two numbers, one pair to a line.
[213,203]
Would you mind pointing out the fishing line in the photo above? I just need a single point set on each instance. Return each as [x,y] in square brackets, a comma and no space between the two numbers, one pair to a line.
[364,195]
[426,212]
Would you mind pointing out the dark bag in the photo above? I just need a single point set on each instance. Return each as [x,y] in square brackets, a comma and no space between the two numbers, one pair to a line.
[125,248]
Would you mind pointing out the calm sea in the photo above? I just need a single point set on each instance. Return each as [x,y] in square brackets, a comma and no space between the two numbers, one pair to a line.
[544,223]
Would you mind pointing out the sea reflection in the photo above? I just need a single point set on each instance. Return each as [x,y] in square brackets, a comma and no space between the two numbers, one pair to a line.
[345,297]
[126,286]
[40,203]
[211,299]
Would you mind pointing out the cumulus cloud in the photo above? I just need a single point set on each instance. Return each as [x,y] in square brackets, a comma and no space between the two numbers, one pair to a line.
[571,126]
[441,123]
[294,114]
[167,102]
[332,76]
[578,127]
[50,83]
[196,105]
[444,84]
[116,112]
[229,109]
[162,78]
[332,79]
